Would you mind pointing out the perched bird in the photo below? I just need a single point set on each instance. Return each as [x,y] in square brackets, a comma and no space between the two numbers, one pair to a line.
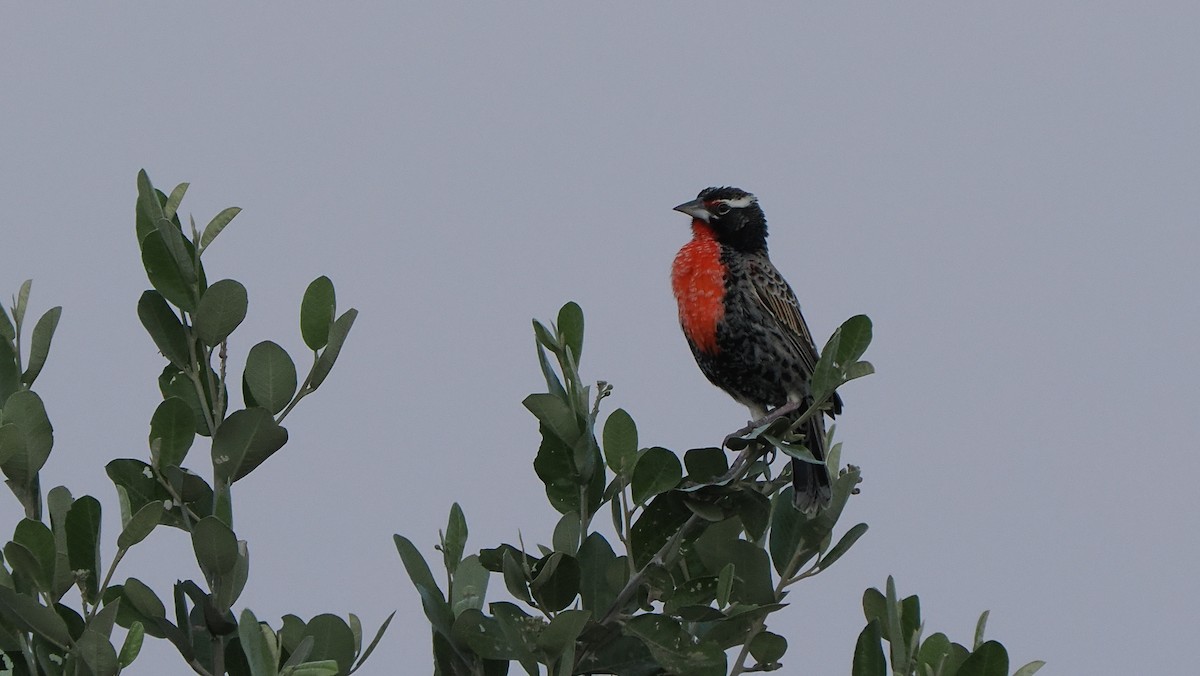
[743,322]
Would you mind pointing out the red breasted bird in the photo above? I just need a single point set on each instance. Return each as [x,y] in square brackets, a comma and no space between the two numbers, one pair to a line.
[743,322]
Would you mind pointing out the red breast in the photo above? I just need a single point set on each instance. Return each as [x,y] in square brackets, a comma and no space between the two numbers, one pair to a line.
[698,280]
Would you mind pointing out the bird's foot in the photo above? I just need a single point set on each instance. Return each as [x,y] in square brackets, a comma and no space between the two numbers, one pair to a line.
[736,442]
[779,412]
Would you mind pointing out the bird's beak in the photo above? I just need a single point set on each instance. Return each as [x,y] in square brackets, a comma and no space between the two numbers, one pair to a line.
[695,209]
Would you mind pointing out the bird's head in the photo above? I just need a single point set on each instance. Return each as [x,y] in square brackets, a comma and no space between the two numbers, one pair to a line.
[732,214]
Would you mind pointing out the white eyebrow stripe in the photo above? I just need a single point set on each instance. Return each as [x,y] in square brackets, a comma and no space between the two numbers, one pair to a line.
[741,202]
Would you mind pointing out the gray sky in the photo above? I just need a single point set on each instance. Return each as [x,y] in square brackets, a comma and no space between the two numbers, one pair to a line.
[1009,192]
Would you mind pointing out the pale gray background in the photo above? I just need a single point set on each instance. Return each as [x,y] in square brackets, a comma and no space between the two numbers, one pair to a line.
[1010,192]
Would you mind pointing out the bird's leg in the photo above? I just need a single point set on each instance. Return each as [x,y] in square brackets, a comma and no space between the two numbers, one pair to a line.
[779,412]
[776,414]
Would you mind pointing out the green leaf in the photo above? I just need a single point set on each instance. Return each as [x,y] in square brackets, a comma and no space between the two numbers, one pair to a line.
[483,635]
[674,648]
[620,442]
[520,633]
[216,547]
[989,659]
[39,349]
[142,598]
[555,415]
[136,487]
[59,502]
[322,668]
[720,545]
[24,563]
[546,338]
[141,525]
[796,537]
[868,653]
[555,466]
[83,542]
[897,639]
[856,336]
[172,382]
[25,410]
[705,464]
[693,598]
[657,524]
[859,369]
[706,510]
[515,579]
[470,585]
[149,208]
[38,540]
[317,311]
[337,336]
[455,540]
[375,641]
[553,384]
[595,556]
[270,376]
[570,327]
[172,206]
[843,545]
[164,274]
[754,509]
[874,605]
[26,614]
[657,471]
[12,450]
[624,655]
[841,352]
[7,331]
[332,640]
[1030,669]
[725,585]
[291,635]
[132,645]
[436,609]
[216,225]
[233,584]
[566,534]
[910,623]
[302,648]
[181,252]
[221,310]
[768,648]
[164,328]
[555,582]
[9,377]
[22,302]
[564,629]
[173,427]
[97,653]
[259,654]
[980,627]
[246,439]
[932,652]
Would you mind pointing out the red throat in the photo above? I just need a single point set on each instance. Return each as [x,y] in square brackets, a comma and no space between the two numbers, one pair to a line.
[698,280]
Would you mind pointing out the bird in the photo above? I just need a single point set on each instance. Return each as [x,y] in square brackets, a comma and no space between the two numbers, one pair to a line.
[743,323]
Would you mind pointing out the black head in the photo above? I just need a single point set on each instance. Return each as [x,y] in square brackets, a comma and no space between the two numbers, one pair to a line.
[734,216]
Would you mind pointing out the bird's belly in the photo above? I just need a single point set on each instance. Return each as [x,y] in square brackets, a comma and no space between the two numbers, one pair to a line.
[754,362]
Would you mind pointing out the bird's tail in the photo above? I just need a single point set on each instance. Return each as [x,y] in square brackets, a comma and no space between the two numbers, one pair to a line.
[814,489]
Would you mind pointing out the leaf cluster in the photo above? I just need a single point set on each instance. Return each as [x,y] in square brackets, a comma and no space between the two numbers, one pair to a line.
[898,621]
[190,322]
[702,548]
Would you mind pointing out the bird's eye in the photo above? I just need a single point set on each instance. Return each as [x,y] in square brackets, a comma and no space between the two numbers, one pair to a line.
[722,209]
